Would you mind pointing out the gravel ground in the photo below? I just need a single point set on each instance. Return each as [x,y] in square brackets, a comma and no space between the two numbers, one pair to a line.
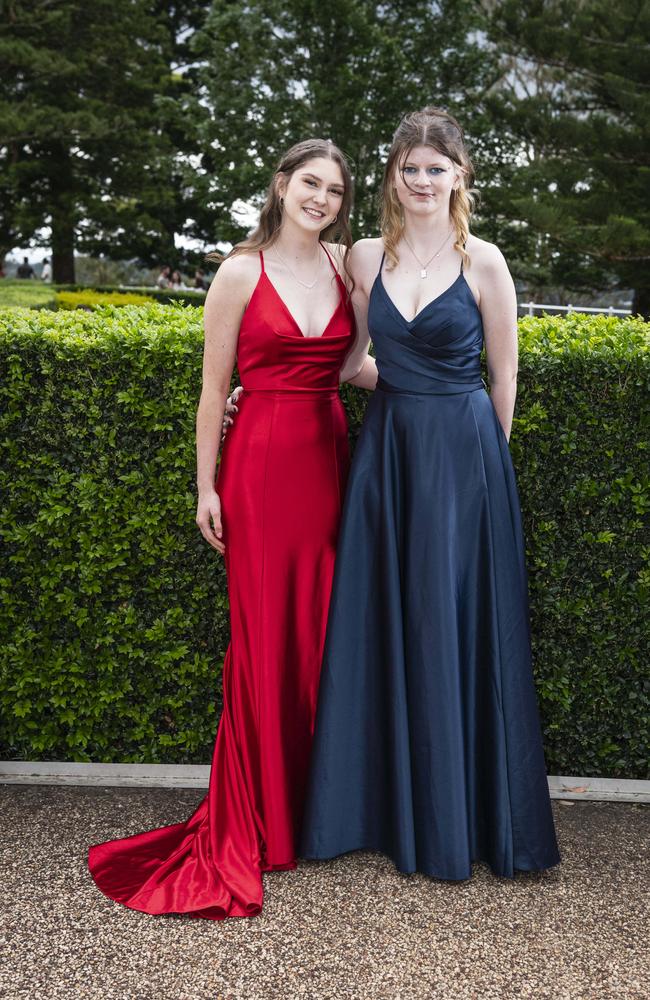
[350,929]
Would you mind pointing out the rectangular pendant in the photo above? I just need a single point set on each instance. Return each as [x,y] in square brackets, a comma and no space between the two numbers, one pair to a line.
[423,273]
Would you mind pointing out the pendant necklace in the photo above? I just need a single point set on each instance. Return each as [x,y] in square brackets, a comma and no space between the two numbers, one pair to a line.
[295,276]
[424,265]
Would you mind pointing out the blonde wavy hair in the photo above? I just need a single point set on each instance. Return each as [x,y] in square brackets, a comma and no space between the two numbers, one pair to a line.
[435,128]
[268,227]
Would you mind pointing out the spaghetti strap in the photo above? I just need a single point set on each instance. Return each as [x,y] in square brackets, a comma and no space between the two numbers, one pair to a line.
[262,261]
[343,292]
[383,258]
[329,257]
[461,265]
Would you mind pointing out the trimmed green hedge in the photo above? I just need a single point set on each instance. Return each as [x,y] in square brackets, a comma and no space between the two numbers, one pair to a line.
[90,299]
[165,296]
[580,446]
[114,612]
[37,295]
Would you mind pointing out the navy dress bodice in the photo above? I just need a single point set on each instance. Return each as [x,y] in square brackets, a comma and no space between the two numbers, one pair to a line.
[438,351]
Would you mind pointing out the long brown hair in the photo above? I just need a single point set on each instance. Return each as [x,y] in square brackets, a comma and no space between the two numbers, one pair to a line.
[266,231]
[435,128]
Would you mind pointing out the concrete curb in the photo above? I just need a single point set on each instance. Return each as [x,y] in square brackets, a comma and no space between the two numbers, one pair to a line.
[42,772]
[599,789]
[197,776]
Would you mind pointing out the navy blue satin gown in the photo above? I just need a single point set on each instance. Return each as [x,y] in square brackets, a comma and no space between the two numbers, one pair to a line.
[428,744]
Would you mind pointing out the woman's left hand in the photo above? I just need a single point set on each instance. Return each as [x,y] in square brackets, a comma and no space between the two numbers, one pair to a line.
[231,409]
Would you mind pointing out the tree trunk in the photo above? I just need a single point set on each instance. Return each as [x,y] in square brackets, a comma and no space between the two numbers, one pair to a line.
[641,302]
[62,247]
[63,217]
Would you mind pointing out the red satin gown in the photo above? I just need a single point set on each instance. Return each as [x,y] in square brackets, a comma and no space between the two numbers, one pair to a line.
[281,481]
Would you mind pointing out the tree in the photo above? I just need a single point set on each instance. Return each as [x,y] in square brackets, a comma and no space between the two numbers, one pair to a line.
[276,71]
[83,148]
[574,110]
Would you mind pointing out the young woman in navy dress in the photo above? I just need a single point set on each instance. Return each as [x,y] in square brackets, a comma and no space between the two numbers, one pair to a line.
[428,744]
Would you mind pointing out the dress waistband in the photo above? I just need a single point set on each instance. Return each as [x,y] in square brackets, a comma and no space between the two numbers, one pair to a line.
[440,389]
[294,394]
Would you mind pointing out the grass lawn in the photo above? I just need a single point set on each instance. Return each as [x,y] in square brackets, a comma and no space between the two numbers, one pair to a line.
[30,294]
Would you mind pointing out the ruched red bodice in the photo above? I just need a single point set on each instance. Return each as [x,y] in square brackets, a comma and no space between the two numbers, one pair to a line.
[272,352]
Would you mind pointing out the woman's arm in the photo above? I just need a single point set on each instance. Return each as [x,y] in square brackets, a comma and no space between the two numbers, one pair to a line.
[499,313]
[366,377]
[359,368]
[224,306]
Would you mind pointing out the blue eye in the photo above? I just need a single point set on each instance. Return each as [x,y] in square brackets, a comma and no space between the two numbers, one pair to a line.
[431,170]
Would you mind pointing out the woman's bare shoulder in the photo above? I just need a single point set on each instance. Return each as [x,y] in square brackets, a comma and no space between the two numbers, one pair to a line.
[484,254]
[365,257]
[234,282]
[368,248]
[242,265]
[239,273]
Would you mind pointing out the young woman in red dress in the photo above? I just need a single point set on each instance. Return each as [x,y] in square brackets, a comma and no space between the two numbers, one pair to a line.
[280,307]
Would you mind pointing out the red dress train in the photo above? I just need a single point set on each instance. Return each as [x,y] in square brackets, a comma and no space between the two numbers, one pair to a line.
[281,481]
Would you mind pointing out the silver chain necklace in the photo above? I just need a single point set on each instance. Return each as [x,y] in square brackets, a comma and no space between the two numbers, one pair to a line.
[424,265]
[292,272]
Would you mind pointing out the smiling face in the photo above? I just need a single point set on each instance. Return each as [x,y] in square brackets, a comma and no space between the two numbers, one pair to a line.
[313,194]
[424,180]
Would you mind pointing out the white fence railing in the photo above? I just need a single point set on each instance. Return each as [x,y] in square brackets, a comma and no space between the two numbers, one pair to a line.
[530,308]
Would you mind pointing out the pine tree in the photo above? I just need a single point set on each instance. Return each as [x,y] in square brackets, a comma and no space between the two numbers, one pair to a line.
[83,148]
[572,191]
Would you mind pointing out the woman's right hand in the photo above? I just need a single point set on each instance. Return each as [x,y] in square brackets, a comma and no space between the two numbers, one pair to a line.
[231,409]
[208,519]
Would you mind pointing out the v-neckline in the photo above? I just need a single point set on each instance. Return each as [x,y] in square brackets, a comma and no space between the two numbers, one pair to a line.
[291,316]
[410,322]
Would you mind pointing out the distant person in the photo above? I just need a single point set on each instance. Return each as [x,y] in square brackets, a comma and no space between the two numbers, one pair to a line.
[25,270]
[176,281]
[162,280]
[46,270]
[199,279]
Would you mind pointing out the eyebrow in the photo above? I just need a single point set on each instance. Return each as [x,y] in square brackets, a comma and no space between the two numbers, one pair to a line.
[410,163]
[336,184]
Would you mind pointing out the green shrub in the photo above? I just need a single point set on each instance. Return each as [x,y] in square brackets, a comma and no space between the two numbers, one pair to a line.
[114,623]
[165,296]
[89,298]
[580,447]
[114,611]
[34,295]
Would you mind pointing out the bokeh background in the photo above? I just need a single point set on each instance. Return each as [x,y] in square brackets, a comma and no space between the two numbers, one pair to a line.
[141,132]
